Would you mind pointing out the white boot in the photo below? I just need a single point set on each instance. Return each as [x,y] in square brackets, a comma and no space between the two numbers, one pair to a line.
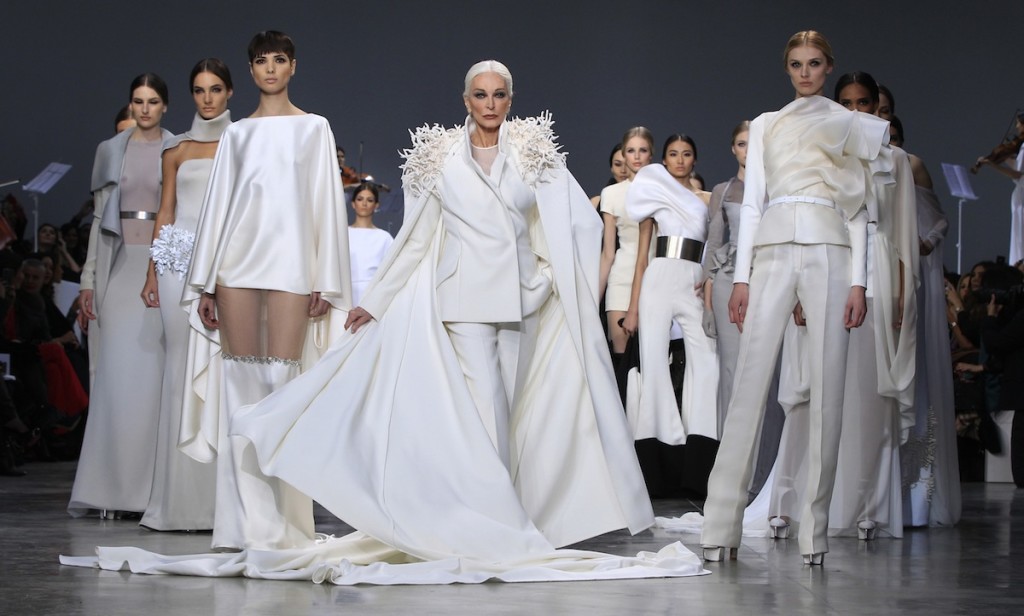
[253,510]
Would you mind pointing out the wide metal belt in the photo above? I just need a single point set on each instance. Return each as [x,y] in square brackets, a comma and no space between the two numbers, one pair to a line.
[138,215]
[679,247]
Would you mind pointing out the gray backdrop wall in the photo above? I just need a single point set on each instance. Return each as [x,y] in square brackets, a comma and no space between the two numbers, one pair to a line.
[377,68]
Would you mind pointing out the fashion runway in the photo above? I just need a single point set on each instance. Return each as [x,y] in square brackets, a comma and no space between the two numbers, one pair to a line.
[976,568]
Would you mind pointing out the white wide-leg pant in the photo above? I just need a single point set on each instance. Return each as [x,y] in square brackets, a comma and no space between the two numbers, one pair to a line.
[666,296]
[489,356]
[818,276]
[253,510]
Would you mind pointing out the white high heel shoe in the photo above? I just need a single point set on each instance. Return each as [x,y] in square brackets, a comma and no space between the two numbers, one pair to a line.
[717,553]
[779,527]
[816,559]
[866,530]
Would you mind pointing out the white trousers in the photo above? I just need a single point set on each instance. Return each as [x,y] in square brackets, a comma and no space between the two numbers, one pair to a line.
[253,510]
[818,276]
[869,478]
[489,356]
[667,296]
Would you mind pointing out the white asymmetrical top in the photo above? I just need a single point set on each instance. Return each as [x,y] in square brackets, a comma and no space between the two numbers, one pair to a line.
[655,194]
[807,180]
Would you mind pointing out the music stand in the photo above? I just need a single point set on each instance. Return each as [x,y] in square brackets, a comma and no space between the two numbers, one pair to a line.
[40,185]
[959,184]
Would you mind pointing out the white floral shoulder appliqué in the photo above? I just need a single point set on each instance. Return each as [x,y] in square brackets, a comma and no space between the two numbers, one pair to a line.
[172,250]
[534,140]
[424,160]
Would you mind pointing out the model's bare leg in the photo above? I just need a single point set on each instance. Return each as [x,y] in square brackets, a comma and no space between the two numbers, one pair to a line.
[262,332]
[287,322]
[616,334]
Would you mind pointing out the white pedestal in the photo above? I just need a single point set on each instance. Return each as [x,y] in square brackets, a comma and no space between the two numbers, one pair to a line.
[997,468]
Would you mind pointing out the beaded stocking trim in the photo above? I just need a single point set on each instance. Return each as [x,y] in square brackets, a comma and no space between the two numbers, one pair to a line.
[259,359]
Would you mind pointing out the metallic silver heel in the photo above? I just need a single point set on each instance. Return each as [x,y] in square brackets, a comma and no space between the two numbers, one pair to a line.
[816,559]
[779,527]
[717,553]
[866,530]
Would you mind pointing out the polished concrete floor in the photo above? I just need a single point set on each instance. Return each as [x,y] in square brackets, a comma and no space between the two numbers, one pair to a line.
[976,569]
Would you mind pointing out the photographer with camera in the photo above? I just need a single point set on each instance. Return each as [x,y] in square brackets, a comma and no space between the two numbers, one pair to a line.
[1002,357]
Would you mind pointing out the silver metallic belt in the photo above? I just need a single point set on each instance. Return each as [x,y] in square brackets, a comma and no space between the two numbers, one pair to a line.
[801,199]
[138,215]
[679,247]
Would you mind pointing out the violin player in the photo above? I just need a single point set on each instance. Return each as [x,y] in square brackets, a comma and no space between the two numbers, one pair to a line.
[1008,158]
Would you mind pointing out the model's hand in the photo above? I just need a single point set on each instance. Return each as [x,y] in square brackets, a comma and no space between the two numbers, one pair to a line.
[703,289]
[357,317]
[631,321]
[208,311]
[68,338]
[926,247]
[798,315]
[738,304]
[856,308]
[151,291]
[85,312]
[318,306]
[707,322]
[963,367]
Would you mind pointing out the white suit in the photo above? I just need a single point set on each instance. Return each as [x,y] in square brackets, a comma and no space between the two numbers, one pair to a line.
[803,210]
[398,387]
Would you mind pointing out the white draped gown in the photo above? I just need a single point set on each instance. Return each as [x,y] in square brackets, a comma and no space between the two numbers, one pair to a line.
[183,488]
[931,470]
[1017,214]
[126,347]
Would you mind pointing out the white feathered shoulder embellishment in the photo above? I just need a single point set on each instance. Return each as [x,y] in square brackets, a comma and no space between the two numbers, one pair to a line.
[534,141]
[425,159]
[531,139]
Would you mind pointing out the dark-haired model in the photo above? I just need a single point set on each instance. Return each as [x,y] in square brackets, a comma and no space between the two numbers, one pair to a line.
[270,263]
[126,351]
[183,489]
